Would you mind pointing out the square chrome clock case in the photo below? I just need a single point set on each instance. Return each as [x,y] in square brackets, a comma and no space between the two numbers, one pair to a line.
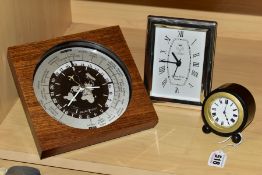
[179,59]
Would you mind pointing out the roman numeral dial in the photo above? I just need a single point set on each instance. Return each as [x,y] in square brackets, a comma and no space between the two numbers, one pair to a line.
[224,112]
[178,63]
[228,110]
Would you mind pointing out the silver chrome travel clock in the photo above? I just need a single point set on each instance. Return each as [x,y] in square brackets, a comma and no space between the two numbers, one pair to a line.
[179,59]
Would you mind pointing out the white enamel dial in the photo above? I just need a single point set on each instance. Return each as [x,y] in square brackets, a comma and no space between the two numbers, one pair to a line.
[178,63]
[224,112]
[82,87]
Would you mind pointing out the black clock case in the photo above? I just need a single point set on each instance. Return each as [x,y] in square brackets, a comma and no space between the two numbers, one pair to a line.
[246,99]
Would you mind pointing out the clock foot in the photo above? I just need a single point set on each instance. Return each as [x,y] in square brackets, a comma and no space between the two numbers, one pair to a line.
[236,138]
[206,129]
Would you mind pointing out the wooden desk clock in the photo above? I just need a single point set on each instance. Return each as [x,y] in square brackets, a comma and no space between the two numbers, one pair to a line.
[79,90]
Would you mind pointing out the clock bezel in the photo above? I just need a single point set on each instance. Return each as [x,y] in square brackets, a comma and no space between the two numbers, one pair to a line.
[192,24]
[208,119]
[90,45]
[247,104]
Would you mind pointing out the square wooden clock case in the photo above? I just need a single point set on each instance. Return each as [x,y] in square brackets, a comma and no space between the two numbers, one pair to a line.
[52,137]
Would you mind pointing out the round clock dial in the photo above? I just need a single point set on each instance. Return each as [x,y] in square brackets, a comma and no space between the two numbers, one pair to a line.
[78,84]
[227,110]
[82,84]
[223,112]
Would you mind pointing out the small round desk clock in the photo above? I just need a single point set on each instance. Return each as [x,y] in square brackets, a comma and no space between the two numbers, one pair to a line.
[227,110]
[82,84]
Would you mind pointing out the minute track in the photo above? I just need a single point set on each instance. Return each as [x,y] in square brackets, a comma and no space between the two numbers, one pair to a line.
[85,88]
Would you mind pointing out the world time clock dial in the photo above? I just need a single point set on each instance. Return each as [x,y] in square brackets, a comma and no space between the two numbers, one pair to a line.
[82,84]
[79,90]
[179,59]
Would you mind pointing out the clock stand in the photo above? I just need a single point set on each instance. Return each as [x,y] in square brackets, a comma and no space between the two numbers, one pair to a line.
[235,137]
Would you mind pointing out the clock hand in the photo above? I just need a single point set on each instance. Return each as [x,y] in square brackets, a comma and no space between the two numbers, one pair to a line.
[227,121]
[80,89]
[178,63]
[224,112]
[72,78]
[174,72]
[225,108]
[174,56]
[107,83]
[177,60]
[92,87]
[163,61]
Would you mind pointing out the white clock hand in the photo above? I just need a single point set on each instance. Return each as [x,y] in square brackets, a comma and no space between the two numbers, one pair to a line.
[92,87]
[72,78]
[80,89]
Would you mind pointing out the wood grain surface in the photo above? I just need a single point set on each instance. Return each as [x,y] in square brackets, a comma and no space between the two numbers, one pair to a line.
[228,6]
[242,26]
[53,137]
[176,145]
[26,21]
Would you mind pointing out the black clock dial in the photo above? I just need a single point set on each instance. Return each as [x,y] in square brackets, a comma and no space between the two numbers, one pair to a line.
[80,91]
[82,84]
